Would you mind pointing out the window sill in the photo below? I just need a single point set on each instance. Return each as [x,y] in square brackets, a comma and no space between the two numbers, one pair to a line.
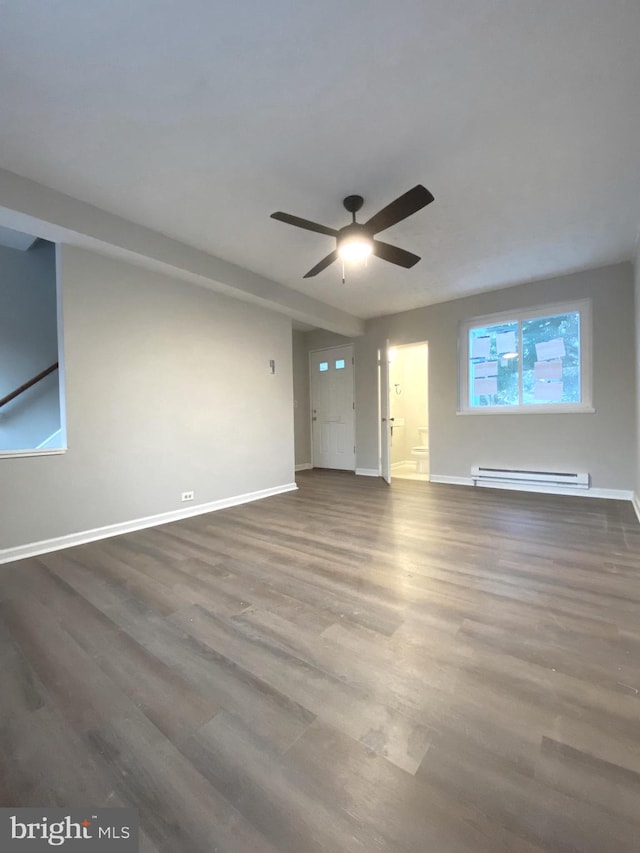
[13,454]
[569,409]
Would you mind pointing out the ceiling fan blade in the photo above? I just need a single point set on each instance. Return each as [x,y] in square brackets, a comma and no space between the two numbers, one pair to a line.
[304,223]
[412,201]
[324,263]
[394,255]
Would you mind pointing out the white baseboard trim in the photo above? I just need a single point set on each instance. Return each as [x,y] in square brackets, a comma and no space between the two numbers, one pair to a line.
[21,552]
[635,500]
[367,472]
[609,494]
[452,481]
[304,466]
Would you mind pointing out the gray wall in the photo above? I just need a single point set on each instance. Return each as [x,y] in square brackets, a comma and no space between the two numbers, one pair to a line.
[168,389]
[604,443]
[28,344]
[637,316]
[301,399]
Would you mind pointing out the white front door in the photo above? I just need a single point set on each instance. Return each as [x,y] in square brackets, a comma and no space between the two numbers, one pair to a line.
[384,408]
[332,408]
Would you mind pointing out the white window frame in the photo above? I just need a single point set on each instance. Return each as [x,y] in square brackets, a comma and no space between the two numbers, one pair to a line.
[585,406]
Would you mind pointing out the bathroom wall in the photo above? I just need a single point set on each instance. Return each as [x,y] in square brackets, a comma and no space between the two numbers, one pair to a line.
[397,404]
[409,369]
[417,405]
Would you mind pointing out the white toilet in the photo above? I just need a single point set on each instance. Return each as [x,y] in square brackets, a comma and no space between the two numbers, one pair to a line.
[421,452]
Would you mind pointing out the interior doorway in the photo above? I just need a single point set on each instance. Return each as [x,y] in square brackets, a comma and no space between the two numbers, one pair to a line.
[332,408]
[409,411]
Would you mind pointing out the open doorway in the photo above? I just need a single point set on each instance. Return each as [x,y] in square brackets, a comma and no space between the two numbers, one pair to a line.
[409,411]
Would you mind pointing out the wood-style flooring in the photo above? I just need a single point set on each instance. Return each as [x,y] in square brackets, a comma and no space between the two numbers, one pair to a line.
[348,667]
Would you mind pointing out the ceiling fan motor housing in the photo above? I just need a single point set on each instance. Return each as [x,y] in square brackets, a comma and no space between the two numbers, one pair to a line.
[353,203]
[352,232]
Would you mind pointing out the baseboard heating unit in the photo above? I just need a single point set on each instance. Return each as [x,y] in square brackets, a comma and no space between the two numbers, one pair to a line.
[513,476]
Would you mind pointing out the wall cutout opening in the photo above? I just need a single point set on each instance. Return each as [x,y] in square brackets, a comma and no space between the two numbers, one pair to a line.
[31,400]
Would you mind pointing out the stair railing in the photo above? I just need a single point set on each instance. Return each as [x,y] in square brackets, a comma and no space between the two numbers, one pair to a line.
[25,387]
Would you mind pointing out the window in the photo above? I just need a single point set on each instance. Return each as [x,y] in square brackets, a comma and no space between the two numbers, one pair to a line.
[527,361]
[340,364]
[323,366]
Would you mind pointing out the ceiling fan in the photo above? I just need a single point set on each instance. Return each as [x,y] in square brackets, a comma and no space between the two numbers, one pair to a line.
[356,241]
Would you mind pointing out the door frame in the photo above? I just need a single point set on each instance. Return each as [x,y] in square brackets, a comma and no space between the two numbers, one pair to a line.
[384,414]
[353,395]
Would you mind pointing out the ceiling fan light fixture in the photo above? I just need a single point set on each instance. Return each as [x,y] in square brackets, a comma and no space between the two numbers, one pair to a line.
[355,242]
[354,249]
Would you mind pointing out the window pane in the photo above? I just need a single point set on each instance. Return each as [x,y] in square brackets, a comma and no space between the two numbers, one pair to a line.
[340,364]
[493,365]
[324,365]
[551,359]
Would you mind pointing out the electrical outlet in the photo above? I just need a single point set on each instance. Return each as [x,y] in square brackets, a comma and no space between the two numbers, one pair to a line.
[187,496]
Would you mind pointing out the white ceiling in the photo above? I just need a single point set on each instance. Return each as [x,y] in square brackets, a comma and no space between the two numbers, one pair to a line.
[199,119]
